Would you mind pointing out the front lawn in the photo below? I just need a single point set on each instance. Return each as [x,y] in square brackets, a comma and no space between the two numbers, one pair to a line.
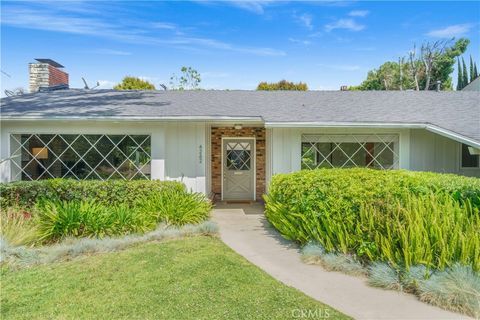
[190,278]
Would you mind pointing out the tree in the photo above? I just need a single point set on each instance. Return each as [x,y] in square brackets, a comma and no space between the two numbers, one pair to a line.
[460,85]
[465,74]
[414,66]
[444,66]
[282,85]
[134,83]
[472,76]
[388,77]
[475,72]
[435,62]
[189,79]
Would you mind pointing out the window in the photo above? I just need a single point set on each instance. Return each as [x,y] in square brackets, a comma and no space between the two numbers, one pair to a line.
[80,156]
[346,151]
[238,155]
[469,160]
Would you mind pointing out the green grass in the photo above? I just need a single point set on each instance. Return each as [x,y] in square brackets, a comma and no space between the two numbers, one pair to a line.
[191,278]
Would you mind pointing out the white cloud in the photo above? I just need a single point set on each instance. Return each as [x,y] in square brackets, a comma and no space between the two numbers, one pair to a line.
[252,6]
[347,24]
[304,42]
[450,31]
[305,20]
[358,13]
[54,21]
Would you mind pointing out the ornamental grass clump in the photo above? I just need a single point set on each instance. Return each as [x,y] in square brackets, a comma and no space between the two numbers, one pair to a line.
[412,278]
[62,219]
[312,253]
[69,248]
[18,227]
[176,206]
[382,275]
[457,288]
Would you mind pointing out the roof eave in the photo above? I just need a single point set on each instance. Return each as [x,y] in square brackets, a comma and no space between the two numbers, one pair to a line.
[132,118]
[386,125]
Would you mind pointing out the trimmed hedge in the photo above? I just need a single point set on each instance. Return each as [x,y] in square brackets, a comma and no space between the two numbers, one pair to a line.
[380,215]
[26,193]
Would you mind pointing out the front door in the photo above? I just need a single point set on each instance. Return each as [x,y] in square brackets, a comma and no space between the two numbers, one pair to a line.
[238,169]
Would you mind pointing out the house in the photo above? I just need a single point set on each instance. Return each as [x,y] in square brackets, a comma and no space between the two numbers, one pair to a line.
[473,86]
[230,143]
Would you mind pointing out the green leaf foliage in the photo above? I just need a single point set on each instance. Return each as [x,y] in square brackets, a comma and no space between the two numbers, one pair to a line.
[460,84]
[401,217]
[464,73]
[282,85]
[69,208]
[134,83]
[26,193]
[387,76]
[189,79]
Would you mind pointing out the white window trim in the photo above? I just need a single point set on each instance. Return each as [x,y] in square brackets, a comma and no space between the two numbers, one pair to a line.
[460,152]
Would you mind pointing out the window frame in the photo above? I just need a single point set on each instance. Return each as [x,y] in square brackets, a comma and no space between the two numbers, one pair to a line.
[460,152]
[18,171]
[385,139]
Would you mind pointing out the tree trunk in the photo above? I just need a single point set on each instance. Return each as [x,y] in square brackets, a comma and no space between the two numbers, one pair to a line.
[427,83]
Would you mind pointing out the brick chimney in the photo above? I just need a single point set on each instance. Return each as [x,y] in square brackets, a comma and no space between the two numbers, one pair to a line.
[46,74]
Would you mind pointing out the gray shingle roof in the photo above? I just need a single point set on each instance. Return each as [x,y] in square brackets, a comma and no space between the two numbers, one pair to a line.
[458,112]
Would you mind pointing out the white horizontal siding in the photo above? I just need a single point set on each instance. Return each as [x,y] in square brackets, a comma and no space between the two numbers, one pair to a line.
[432,152]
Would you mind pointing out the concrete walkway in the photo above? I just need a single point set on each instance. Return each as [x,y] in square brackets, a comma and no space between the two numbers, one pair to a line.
[251,236]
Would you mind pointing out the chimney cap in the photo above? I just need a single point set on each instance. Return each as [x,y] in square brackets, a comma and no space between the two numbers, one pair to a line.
[50,62]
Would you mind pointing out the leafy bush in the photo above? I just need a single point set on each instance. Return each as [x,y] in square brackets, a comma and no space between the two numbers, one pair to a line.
[18,227]
[402,217]
[282,85]
[71,208]
[177,207]
[60,219]
[27,193]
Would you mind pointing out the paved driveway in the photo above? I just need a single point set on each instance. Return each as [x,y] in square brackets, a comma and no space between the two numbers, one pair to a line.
[251,236]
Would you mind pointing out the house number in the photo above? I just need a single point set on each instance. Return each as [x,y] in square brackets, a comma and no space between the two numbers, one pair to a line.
[200,154]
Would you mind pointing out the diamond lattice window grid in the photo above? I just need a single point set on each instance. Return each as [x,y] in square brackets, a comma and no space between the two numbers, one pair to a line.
[82,156]
[378,151]
[238,155]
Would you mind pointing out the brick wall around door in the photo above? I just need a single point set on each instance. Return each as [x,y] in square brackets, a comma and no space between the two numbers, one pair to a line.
[246,132]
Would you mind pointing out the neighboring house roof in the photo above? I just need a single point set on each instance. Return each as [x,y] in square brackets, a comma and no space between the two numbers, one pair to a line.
[473,86]
[455,112]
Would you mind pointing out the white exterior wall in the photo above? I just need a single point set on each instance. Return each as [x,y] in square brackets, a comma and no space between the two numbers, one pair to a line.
[284,145]
[433,152]
[177,150]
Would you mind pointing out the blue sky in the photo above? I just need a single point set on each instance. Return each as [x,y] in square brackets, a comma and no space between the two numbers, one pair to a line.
[234,45]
